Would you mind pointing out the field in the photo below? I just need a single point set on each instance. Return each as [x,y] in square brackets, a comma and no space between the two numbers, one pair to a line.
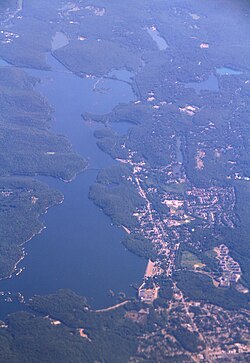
[188,260]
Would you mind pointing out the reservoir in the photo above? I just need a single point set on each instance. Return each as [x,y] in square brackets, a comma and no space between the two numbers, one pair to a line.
[212,84]
[59,40]
[225,71]
[155,35]
[79,249]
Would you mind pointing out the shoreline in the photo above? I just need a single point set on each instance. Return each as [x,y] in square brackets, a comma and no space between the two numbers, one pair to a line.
[43,226]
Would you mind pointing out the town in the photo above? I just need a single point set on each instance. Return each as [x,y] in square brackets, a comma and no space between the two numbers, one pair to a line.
[167,226]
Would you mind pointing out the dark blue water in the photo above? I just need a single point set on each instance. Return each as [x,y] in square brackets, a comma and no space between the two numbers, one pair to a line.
[71,95]
[79,249]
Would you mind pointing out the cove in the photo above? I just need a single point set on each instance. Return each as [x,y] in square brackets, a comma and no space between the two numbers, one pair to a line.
[79,249]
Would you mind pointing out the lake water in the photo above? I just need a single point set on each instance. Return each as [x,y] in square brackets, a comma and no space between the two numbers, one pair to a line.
[79,249]
[122,128]
[59,40]
[3,63]
[212,84]
[160,41]
[122,75]
[227,71]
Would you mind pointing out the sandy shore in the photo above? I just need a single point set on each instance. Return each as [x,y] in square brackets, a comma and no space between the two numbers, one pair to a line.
[149,269]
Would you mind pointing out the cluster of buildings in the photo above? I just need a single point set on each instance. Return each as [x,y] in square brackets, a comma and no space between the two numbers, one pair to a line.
[216,330]
[165,223]
[230,269]
[7,37]
[139,317]
[148,294]
[215,205]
